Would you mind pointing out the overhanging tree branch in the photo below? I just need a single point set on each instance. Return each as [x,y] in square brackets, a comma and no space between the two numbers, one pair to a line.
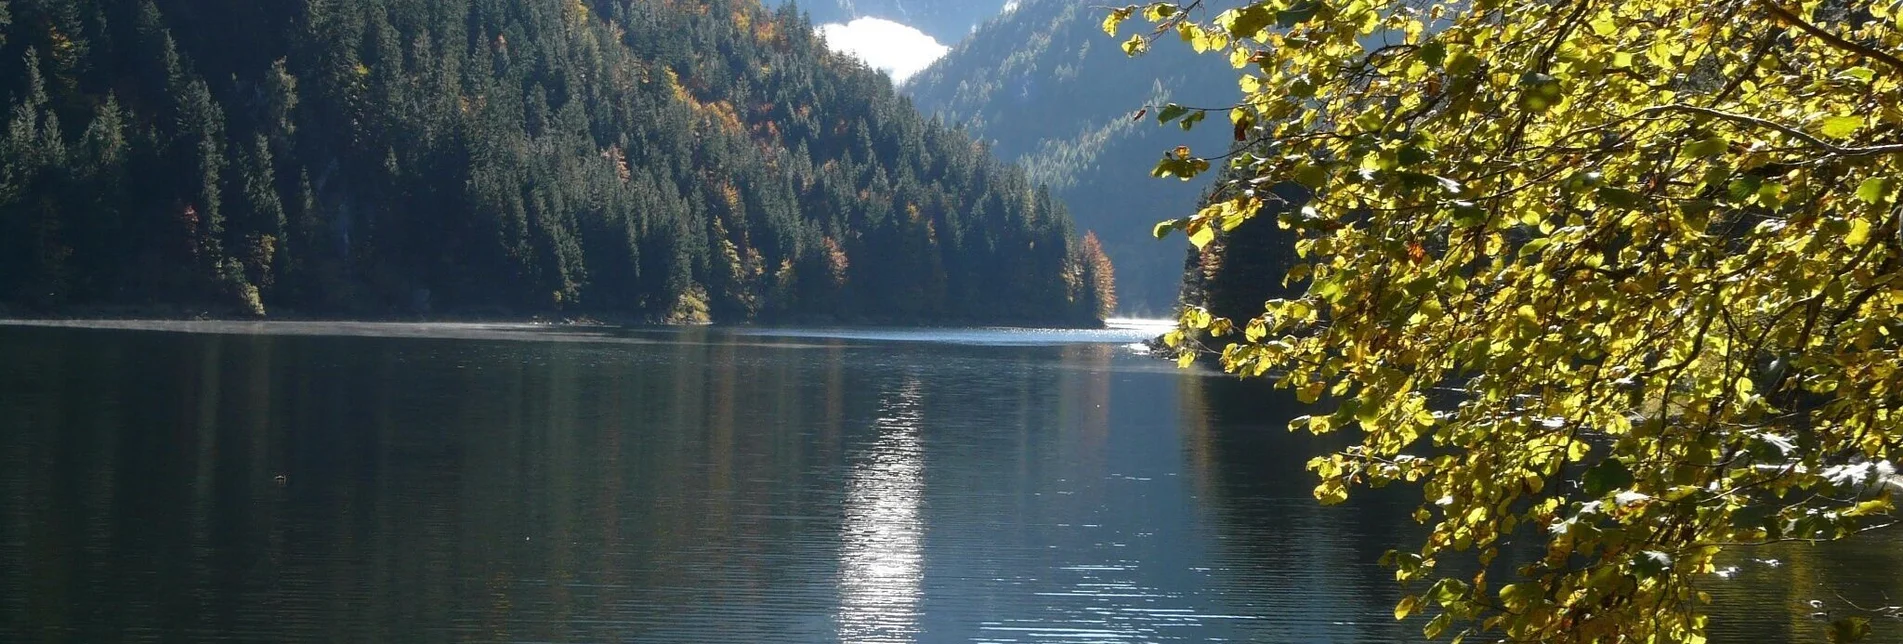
[1835,40]
[1806,137]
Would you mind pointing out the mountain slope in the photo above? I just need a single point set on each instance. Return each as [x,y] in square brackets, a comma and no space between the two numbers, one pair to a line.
[652,159]
[948,21]
[1047,88]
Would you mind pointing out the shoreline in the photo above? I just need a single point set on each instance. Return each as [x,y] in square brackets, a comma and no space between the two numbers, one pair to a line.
[424,326]
[94,317]
[775,337]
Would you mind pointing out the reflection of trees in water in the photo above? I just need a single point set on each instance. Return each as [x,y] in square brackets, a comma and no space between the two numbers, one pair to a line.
[433,490]
[1312,568]
[1253,471]
[474,490]
[1765,594]
[1084,391]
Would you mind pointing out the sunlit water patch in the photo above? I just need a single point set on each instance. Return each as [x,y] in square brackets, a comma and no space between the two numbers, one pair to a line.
[882,540]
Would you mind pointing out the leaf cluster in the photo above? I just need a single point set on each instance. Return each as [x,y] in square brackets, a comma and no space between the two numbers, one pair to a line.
[1616,281]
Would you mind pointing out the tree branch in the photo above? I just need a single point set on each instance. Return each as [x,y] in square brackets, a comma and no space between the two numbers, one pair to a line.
[1872,150]
[1835,40]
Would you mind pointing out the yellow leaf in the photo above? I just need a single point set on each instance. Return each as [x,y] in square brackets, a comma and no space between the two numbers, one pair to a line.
[1116,17]
[1196,317]
[1407,607]
[1201,233]
[1859,233]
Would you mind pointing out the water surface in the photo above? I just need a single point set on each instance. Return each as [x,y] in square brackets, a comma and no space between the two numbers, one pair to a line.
[503,483]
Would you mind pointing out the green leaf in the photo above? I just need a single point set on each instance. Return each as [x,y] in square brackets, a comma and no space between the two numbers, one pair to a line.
[1539,92]
[1370,121]
[1610,474]
[1299,13]
[1771,195]
[1194,118]
[1411,155]
[1838,127]
[1184,168]
[1651,563]
[1311,175]
[1517,596]
[1707,147]
[1447,591]
[1864,74]
[1170,112]
[1246,22]
[1438,625]
[1467,215]
[1621,197]
[1744,188]
[1462,62]
[1875,190]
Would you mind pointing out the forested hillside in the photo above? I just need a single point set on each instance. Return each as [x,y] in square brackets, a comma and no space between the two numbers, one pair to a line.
[1047,88]
[641,160]
[1239,269]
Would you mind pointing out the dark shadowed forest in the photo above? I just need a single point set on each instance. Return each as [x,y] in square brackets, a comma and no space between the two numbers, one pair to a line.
[645,160]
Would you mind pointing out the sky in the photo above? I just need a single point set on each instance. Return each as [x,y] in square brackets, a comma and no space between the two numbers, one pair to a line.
[898,50]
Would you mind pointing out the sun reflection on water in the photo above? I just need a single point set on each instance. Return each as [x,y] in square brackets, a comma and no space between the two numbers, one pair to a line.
[881,541]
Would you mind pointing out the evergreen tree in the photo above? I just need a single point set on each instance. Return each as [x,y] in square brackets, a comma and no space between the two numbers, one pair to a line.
[1044,87]
[632,159]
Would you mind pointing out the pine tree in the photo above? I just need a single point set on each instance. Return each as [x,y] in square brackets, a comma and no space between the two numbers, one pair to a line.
[536,157]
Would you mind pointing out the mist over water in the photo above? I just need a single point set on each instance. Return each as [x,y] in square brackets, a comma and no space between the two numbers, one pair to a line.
[505,483]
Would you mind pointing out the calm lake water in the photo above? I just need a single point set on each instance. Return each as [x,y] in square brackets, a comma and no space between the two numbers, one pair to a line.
[353,483]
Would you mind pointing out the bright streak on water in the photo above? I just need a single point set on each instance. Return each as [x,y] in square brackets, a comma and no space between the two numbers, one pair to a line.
[881,541]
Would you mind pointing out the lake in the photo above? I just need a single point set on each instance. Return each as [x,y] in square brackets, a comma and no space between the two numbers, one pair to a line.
[230,482]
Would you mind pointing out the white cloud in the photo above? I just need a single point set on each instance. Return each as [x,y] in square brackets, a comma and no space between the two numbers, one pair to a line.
[893,48]
[1010,6]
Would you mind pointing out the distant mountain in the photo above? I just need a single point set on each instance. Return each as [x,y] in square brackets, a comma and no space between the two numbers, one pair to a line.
[635,159]
[948,21]
[1047,88]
